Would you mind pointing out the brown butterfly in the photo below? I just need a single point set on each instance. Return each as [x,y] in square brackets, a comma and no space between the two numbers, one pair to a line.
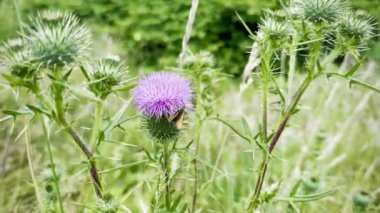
[177,118]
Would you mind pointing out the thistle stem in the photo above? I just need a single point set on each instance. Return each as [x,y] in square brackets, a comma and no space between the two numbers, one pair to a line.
[166,169]
[265,68]
[52,166]
[96,129]
[280,129]
[31,169]
[254,202]
[61,119]
[292,66]
[197,139]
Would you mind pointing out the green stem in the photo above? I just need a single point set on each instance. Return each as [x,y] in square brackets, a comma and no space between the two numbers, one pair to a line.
[31,169]
[166,169]
[197,139]
[96,129]
[265,68]
[292,66]
[52,165]
[60,110]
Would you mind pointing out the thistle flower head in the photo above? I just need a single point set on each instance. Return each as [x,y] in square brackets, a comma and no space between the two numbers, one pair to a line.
[162,94]
[320,11]
[104,74]
[57,38]
[354,31]
[163,98]
[16,59]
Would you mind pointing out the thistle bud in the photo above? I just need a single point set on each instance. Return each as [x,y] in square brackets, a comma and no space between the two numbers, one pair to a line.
[16,60]
[321,11]
[163,98]
[354,32]
[57,39]
[104,74]
[198,61]
[108,204]
[274,32]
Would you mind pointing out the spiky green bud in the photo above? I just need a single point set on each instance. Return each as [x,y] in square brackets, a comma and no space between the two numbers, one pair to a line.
[104,74]
[17,61]
[108,204]
[320,11]
[274,32]
[200,60]
[354,31]
[57,38]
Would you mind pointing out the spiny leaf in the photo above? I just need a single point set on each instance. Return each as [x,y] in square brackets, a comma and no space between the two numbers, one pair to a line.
[245,26]
[67,75]
[84,72]
[37,109]
[233,129]
[15,113]
[114,121]
[124,89]
[246,127]
[295,188]
[353,69]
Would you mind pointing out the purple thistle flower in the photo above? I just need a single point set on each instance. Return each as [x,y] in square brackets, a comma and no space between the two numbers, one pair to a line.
[162,94]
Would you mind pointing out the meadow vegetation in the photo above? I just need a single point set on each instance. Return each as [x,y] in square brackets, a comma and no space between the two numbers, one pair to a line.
[221,106]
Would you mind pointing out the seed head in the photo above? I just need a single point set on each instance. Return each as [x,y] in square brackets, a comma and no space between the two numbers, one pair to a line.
[104,74]
[57,38]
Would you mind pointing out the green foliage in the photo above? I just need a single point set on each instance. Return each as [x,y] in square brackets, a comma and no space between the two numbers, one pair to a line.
[151,30]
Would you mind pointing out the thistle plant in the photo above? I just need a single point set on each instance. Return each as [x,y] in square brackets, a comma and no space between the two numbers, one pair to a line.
[306,24]
[53,45]
[163,98]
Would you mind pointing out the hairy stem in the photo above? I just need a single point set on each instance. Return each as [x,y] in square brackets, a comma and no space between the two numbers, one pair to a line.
[197,139]
[61,119]
[166,169]
[292,67]
[96,129]
[265,68]
[31,169]
[52,165]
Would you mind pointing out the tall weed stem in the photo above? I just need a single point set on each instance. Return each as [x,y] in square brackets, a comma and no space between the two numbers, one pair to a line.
[254,202]
[61,119]
[52,165]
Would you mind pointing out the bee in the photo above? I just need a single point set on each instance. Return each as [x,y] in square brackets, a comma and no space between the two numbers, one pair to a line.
[177,118]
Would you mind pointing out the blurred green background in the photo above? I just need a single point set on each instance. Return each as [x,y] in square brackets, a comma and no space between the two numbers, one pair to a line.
[148,33]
